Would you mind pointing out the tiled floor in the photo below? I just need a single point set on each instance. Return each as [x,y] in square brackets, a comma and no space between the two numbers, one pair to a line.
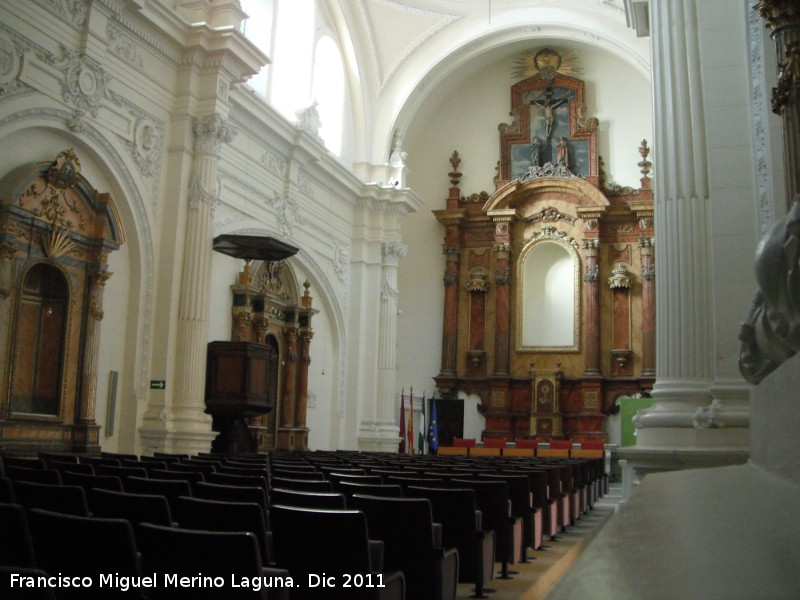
[532,580]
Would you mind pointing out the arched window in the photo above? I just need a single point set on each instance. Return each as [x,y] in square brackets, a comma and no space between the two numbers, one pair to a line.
[328,90]
[258,27]
[293,54]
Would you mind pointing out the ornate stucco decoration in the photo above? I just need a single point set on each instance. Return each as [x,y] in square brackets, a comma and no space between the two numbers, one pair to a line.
[75,11]
[546,62]
[288,211]
[479,198]
[478,281]
[57,209]
[11,52]
[308,121]
[85,84]
[550,215]
[123,46]
[275,163]
[148,140]
[547,170]
[210,132]
[271,280]
[341,260]
[609,187]
[620,277]
[550,232]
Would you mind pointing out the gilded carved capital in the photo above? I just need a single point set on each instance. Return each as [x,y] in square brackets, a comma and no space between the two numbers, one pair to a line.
[591,273]
[451,253]
[620,277]
[592,247]
[502,277]
[502,250]
[779,12]
[478,282]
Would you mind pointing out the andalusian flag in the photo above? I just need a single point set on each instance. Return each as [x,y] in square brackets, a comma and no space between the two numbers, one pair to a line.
[421,434]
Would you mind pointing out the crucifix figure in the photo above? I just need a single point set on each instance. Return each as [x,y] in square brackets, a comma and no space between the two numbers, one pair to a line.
[548,105]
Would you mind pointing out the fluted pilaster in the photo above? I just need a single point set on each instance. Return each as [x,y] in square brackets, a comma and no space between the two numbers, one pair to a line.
[210,132]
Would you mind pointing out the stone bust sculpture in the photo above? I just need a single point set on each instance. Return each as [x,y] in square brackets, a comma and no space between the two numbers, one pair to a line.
[771,333]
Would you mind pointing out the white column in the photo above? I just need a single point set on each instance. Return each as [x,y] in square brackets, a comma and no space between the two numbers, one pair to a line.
[683,276]
[381,433]
[191,426]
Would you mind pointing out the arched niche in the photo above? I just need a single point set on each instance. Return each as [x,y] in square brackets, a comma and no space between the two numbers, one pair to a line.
[56,233]
[548,297]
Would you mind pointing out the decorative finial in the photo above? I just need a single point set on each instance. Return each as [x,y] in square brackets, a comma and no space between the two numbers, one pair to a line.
[455,175]
[644,164]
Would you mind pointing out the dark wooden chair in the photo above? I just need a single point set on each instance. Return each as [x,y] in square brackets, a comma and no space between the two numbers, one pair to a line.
[190,476]
[121,472]
[232,493]
[311,542]
[240,480]
[169,488]
[456,511]
[519,493]
[491,498]
[336,478]
[87,546]
[303,485]
[537,480]
[73,467]
[88,482]
[389,490]
[21,461]
[16,545]
[7,491]
[36,475]
[418,480]
[405,525]
[323,500]
[218,515]
[136,508]
[68,499]
[186,552]
[22,593]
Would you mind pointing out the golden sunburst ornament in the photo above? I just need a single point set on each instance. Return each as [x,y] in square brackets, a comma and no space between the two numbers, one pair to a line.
[546,62]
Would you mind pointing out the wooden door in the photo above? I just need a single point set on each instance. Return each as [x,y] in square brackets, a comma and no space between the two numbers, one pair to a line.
[39,342]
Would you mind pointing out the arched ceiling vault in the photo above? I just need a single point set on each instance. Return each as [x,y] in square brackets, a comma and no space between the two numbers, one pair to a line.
[407,48]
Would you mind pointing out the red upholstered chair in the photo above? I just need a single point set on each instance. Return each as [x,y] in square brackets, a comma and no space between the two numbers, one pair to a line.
[464,442]
[526,444]
[561,444]
[494,443]
[557,449]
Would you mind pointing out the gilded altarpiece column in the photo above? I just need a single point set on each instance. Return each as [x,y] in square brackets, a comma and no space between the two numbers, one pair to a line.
[591,294]
[647,254]
[86,427]
[502,279]
[783,18]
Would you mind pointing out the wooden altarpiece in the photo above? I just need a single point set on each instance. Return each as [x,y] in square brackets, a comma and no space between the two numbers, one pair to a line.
[550,198]
[271,328]
[56,232]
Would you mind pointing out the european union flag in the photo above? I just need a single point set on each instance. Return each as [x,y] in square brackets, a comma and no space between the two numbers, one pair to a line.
[433,429]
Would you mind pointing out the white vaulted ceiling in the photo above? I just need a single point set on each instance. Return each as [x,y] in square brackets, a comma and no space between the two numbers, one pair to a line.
[405,49]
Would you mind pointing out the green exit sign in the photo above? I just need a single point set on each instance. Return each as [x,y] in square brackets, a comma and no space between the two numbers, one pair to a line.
[158,384]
